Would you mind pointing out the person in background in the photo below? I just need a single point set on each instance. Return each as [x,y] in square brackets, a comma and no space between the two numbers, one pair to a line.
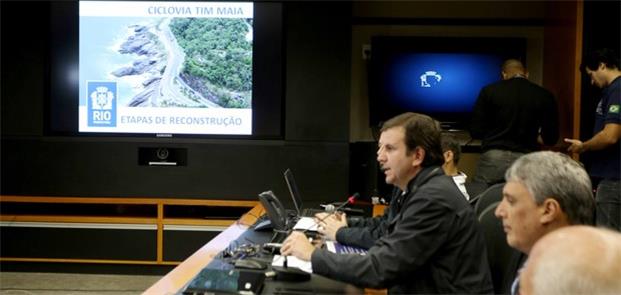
[574,260]
[452,152]
[433,244]
[545,191]
[602,66]
[511,117]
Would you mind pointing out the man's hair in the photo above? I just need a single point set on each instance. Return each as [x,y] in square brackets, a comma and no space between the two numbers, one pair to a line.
[606,56]
[513,65]
[450,143]
[555,175]
[420,131]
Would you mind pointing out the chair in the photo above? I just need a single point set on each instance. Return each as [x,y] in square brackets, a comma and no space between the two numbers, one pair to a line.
[491,195]
[475,188]
[504,261]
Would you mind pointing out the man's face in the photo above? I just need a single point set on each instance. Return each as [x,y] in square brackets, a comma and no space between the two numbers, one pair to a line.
[393,158]
[521,216]
[597,76]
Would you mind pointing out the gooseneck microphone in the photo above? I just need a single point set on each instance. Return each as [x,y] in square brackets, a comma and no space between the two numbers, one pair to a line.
[332,210]
[293,274]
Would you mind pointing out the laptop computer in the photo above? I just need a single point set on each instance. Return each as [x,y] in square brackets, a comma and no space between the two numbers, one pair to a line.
[297,199]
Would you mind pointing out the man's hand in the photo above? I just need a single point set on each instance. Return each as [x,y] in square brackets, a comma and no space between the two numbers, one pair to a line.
[297,244]
[576,146]
[331,224]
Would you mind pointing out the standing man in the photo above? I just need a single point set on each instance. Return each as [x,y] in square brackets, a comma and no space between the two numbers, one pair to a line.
[511,117]
[432,244]
[602,66]
[545,191]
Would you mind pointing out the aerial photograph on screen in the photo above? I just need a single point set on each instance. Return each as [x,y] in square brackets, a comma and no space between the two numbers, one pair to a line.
[189,62]
[172,55]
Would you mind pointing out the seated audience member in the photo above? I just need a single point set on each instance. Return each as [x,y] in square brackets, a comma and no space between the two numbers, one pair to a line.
[432,244]
[545,191]
[363,232]
[452,152]
[574,260]
[359,231]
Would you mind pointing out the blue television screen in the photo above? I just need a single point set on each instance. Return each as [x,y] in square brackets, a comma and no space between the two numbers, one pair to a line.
[438,77]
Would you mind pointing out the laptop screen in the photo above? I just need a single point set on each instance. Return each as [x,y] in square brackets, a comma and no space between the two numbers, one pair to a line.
[293,190]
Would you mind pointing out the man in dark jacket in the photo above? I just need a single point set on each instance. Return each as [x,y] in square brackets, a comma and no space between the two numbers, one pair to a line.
[511,117]
[364,232]
[432,243]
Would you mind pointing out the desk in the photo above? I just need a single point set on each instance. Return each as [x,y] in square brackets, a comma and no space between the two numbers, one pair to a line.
[175,280]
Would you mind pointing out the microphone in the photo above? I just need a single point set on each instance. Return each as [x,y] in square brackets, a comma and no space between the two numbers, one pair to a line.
[331,209]
[291,274]
[350,200]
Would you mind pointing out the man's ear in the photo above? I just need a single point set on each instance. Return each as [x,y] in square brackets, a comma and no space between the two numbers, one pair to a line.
[418,156]
[448,156]
[551,211]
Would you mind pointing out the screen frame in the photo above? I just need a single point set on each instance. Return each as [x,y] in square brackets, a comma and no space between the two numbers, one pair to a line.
[62,95]
[385,47]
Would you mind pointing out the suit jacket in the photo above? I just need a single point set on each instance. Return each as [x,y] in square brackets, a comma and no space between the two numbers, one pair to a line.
[509,114]
[432,245]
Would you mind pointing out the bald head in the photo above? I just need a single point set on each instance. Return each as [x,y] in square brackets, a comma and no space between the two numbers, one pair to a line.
[512,68]
[574,260]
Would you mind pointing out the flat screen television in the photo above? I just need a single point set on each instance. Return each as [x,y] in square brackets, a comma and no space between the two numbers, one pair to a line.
[437,76]
[166,69]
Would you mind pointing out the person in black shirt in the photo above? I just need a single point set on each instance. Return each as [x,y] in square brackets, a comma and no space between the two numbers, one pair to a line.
[511,117]
[432,244]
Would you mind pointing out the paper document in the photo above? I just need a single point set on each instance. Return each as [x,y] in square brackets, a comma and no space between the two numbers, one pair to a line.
[306,223]
[293,261]
[336,247]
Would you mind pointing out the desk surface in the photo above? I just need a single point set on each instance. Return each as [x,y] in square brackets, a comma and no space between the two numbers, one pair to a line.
[176,279]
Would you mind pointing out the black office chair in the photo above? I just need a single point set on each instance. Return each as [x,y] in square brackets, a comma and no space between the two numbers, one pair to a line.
[475,188]
[504,261]
[491,195]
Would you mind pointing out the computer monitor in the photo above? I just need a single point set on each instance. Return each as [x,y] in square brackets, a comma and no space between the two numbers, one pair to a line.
[437,76]
[293,190]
